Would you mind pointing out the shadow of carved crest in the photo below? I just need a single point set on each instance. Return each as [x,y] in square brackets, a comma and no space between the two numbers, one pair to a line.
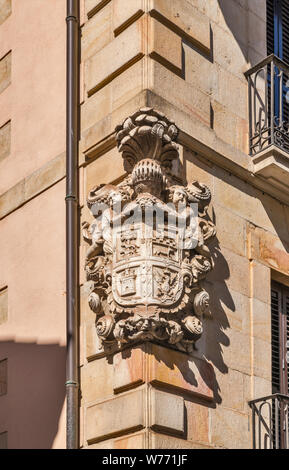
[149,250]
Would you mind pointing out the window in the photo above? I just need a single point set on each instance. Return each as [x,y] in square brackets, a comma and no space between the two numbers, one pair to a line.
[278,44]
[4,440]
[3,296]
[3,377]
[280,337]
[278,28]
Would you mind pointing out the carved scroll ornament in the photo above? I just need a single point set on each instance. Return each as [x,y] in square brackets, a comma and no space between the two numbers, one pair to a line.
[146,280]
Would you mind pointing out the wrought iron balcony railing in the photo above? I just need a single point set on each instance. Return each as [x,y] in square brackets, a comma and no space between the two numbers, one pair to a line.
[270,422]
[268,84]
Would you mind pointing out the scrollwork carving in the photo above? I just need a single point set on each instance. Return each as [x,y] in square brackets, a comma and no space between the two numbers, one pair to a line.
[148,246]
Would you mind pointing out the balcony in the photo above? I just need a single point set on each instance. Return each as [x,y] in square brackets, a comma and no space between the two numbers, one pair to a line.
[268,84]
[270,422]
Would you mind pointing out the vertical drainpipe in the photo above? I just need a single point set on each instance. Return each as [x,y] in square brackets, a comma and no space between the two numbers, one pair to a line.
[72,284]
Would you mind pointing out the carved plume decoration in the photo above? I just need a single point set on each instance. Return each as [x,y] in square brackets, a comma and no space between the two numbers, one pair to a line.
[149,250]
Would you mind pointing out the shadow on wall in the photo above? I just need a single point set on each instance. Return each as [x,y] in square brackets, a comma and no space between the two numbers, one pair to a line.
[31,409]
[246,28]
[236,23]
[215,336]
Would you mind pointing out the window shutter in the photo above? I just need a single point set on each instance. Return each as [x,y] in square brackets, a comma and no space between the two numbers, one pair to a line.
[276,301]
[285,30]
[280,337]
[278,43]
[285,340]
[270,27]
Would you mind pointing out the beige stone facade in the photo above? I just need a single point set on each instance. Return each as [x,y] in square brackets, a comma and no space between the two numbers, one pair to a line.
[187,59]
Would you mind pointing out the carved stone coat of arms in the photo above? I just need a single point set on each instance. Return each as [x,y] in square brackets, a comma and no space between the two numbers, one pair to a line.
[149,251]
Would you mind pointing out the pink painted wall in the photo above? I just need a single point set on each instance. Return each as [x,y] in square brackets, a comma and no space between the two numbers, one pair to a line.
[32,238]
[32,254]
[35,100]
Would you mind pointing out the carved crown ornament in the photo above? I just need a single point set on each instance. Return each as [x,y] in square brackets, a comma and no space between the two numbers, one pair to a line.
[149,250]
